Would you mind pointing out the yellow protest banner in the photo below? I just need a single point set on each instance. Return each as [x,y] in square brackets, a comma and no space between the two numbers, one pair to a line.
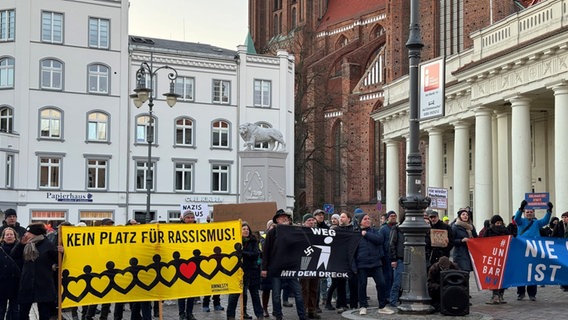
[149,262]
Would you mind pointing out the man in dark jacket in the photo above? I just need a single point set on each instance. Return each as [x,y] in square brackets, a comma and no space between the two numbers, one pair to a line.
[36,283]
[435,251]
[11,220]
[281,217]
[385,233]
[396,254]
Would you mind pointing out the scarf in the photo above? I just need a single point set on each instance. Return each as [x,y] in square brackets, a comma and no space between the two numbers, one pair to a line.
[30,251]
[467,226]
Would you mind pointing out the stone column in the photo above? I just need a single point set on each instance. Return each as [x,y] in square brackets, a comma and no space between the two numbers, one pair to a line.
[560,148]
[483,207]
[393,175]
[520,149]
[461,165]
[435,158]
[504,165]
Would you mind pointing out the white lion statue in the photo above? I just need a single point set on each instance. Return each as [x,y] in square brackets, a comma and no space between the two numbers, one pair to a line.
[253,134]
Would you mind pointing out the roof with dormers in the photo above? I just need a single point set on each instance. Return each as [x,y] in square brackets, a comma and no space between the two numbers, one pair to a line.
[344,10]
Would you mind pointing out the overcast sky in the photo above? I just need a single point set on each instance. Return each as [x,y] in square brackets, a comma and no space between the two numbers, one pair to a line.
[222,23]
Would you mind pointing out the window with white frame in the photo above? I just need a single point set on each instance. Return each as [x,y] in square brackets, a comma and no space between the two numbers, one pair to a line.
[220,134]
[144,129]
[184,176]
[142,175]
[184,132]
[98,78]
[99,33]
[184,86]
[9,183]
[262,93]
[6,72]
[50,123]
[220,178]
[51,74]
[6,119]
[49,172]
[52,27]
[97,127]
[221,91]
[97,174]
[7,25]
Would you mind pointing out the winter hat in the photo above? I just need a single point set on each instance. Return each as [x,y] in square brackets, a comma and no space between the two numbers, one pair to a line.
[446,218]
[432,213]
[279,213]
[269,223]
[307,216]
[187,213]
[318,211]
[37,228]
[9,212]
[390,213]
[496,218]
[107,222]
[335,216]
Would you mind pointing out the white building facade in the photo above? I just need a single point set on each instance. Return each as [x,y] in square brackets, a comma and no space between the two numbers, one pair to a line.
[504,129]
[72,143]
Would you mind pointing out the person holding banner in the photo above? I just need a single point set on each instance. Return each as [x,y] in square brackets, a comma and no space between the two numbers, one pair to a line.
[496,228]
[281,217]
[529,227]
[185,305]
[463,230]
[36,281]
[251,277]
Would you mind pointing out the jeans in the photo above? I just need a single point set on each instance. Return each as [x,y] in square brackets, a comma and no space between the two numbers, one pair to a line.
[396,282]
[377,275]
[185,306]
[294,288]
[13,310]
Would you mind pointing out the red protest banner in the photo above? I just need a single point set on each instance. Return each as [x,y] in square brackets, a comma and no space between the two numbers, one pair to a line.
[489,256]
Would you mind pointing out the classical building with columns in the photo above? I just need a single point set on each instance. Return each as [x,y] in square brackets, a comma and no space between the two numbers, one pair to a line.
[505,118]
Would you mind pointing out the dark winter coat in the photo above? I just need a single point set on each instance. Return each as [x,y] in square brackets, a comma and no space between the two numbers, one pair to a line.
[494,231]
[9,273]
[251,267]
[461,253]
[369,252]
[396,247]
[36,282]
[559,231]
[433,254]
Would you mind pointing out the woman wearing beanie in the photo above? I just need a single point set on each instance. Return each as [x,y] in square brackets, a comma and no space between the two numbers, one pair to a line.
[497,228]
[463,230]
[39,256]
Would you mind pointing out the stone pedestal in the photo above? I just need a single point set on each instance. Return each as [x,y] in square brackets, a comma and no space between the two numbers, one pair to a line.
[262,177]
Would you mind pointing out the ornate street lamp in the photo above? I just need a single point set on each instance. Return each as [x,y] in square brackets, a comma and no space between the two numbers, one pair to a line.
[415,298]
[142,94]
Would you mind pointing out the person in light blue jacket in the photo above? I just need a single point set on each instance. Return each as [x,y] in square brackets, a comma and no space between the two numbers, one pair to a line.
[529,227]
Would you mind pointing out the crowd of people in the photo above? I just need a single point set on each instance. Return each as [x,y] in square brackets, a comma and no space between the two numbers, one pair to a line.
[29,258]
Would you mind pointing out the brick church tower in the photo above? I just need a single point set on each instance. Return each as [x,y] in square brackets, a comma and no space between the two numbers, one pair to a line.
[346,51]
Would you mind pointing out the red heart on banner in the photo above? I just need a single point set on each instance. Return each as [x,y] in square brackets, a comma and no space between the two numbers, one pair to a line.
[188,269]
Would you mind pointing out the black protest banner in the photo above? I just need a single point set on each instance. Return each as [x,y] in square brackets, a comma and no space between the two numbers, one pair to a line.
[312,252]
